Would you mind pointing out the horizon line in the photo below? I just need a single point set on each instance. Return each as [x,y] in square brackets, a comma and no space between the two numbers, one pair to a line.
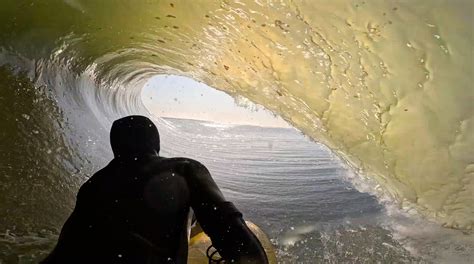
[216,122]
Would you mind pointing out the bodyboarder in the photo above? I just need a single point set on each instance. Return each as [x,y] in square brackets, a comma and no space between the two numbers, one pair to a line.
[136,209]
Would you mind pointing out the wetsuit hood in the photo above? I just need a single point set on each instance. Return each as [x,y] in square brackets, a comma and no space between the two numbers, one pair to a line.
[134,136]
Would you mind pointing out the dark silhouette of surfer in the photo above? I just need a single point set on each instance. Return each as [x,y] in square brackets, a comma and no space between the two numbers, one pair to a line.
[136,209]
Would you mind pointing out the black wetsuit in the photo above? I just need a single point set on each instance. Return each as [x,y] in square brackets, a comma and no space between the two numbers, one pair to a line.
[135,210]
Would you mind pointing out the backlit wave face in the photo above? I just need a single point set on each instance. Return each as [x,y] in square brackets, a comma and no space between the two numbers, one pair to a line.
[385,84]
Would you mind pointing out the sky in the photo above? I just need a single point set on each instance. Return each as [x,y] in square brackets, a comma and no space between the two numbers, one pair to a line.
[182,97]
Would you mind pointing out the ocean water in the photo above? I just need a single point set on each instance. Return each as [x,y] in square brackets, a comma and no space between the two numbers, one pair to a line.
[385,84]
[309,202]
[292,187]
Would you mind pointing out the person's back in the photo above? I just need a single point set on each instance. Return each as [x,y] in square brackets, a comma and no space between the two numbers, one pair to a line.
[136,209]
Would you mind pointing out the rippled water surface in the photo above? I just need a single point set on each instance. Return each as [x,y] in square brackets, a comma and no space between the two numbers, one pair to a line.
[295,189]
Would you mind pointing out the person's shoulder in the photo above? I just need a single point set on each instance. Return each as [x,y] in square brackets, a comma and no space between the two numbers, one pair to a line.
[183,160]
[186,164]
[179,160]
[95,180]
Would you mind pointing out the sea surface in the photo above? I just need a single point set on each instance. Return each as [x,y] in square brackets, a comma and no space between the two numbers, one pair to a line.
[293,188]
[313,207]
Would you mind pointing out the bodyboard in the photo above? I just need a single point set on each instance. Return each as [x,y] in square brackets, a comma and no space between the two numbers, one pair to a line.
[200,242]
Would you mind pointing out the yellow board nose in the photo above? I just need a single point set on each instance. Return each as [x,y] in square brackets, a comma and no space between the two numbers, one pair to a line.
[199,243]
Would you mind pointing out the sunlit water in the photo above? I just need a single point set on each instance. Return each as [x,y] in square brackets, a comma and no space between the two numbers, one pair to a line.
[295,189]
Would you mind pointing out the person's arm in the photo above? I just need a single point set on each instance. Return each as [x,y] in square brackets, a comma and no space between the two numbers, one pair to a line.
[220,219]
[68,232]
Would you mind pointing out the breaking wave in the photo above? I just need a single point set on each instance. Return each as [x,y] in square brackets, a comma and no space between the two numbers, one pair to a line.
[387,85]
